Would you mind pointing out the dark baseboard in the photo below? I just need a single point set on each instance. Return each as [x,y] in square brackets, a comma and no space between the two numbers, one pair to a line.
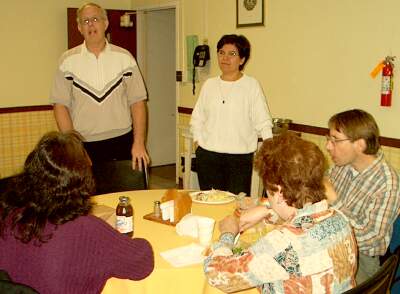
[26,108]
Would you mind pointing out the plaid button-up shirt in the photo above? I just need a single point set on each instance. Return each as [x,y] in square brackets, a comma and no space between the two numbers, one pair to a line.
[371,201]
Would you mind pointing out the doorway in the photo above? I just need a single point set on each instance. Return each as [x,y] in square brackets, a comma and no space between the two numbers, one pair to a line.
[156,58]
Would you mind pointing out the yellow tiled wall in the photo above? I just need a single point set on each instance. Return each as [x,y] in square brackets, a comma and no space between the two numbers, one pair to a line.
[184,120]
[19,133]
[392,154]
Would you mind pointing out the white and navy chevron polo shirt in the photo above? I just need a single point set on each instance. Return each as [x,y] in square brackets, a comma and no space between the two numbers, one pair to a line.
[98,91]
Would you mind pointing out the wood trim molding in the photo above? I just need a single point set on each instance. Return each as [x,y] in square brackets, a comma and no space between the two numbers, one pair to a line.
[308,129]
[26,108]
[390,142]
[385,141]
[185,110]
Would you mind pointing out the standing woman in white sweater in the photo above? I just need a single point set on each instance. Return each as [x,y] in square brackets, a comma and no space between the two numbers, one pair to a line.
[229,116]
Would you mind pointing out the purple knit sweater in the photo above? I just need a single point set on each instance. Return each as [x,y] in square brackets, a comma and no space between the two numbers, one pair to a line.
[79,258]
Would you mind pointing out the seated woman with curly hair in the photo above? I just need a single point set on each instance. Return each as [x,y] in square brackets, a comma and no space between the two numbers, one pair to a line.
[313,251]
[47,239]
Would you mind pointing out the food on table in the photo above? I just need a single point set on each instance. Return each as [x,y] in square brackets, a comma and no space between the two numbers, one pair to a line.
[237,250]
[252,235]
[213,196]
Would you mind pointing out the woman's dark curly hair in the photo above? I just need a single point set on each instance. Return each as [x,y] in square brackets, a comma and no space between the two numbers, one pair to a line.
[296,165]
[54,187]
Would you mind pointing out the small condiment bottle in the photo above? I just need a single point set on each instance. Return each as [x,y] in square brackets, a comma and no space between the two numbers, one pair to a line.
[157,209]
[124,214]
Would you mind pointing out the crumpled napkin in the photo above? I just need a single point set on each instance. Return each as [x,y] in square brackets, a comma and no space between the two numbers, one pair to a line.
[185,255]
[188,225]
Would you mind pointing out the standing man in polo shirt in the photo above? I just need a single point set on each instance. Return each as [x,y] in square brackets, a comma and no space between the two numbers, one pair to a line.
[98,91]
[366,185]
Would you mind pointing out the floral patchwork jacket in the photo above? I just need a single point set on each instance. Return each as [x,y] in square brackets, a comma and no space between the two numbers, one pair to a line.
[314,253]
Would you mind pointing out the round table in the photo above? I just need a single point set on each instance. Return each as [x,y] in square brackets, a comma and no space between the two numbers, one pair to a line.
[165,278]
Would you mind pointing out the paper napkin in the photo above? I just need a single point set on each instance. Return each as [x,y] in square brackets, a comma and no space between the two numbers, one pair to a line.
[188,225]
[184,256]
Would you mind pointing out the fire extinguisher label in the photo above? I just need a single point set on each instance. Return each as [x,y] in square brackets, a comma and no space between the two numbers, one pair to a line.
[386,85]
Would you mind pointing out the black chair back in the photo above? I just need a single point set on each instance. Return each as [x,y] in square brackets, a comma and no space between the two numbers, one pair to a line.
[394,246]
[381,281]
[4,182]
[118,176]
[10,287]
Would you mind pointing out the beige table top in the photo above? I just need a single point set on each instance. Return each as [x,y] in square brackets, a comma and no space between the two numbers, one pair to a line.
[165,278]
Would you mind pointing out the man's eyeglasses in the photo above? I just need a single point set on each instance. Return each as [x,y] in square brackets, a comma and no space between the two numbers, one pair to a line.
[92,20]
[335,140]
[229,53]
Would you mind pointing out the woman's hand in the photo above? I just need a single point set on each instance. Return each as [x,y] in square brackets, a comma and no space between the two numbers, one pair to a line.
[229,224]
[252,216]
[330,193]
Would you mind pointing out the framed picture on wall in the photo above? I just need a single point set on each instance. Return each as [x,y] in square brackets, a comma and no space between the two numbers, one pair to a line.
[249,13]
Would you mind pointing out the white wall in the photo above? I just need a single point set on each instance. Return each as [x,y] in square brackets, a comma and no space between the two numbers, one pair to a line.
[312,57]
[33,36]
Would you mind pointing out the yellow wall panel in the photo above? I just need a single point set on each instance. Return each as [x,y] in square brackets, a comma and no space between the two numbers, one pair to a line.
[19,133]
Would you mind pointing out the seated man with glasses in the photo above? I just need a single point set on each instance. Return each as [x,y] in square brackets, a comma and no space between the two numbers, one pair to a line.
[366,185]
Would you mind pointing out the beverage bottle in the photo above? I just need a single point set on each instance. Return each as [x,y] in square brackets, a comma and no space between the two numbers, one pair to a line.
[124,213]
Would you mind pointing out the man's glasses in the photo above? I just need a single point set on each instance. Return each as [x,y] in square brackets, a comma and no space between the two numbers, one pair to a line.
[229,53]
[334,141]
[92,20]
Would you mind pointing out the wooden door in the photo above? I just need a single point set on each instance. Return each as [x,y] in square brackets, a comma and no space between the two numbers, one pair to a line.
[124,37]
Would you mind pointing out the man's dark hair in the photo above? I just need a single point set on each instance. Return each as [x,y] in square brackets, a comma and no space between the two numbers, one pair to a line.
[357,124]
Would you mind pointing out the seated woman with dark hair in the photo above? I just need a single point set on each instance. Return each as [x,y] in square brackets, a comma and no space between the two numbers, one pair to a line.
[313,251]
[47,239]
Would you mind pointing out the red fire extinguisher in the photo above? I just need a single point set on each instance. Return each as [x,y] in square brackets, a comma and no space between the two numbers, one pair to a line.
[387,81]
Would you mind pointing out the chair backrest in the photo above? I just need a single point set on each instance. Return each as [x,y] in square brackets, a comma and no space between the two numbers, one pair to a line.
[10,287]
[118,176]
[395,240]
[4,182]
[381,281]
[5,185]
[394,246]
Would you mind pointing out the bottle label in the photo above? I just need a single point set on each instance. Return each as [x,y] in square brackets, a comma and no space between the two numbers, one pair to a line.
[124,224]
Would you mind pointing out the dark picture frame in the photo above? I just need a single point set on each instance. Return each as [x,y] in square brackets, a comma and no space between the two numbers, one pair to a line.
[249,13]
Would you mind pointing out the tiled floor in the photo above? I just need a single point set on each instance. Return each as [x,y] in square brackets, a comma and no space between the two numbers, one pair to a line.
[162,177]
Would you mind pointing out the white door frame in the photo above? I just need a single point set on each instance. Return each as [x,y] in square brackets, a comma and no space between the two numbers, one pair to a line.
[178,62]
